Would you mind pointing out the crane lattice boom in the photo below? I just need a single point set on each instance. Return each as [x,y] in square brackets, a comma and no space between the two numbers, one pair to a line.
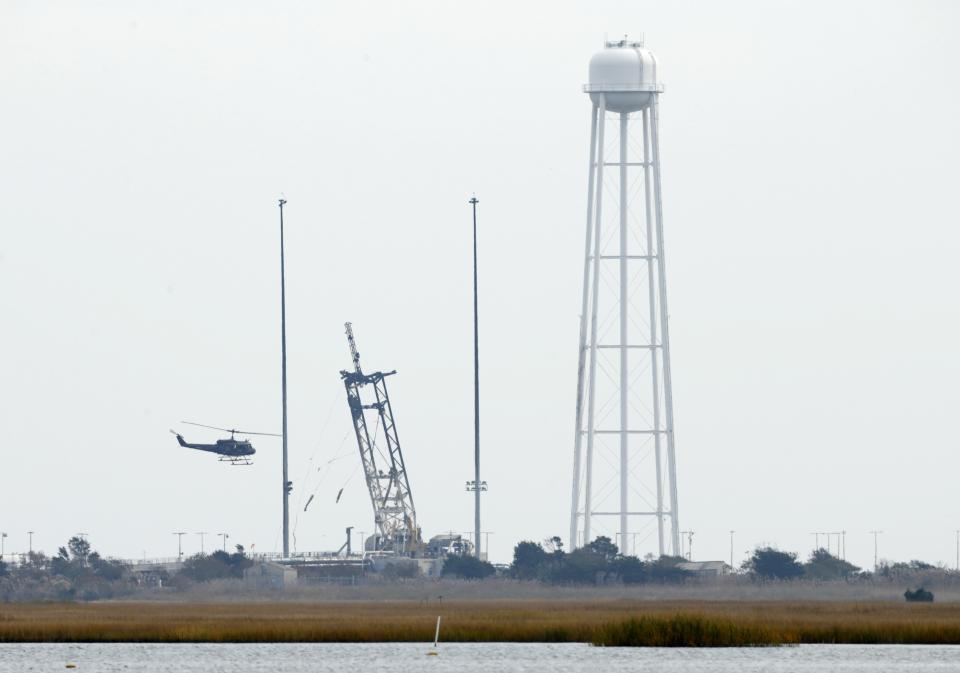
[393,511]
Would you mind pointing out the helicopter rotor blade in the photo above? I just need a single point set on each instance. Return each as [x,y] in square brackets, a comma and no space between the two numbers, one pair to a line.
[211,427]
[232,431]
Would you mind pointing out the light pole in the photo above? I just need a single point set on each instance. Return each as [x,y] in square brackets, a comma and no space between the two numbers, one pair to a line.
[201,534]
[731,549]
[3,536]
[875,533]
[287,484]
[180,545]
[30,533]
[224,536]
[476,388]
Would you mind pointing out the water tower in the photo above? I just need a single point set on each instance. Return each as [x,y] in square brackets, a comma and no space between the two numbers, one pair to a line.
[624,472]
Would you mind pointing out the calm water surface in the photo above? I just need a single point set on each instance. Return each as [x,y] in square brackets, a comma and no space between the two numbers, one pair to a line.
[467,658]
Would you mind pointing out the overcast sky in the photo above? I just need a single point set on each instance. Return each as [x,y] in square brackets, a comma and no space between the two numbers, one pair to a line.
[810,175]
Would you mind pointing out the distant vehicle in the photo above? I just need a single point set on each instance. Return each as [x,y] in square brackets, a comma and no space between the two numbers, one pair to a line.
[234,451]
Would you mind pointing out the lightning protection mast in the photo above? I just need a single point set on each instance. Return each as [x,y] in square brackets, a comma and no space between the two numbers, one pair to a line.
[624,467]
[477,486]
[287,484]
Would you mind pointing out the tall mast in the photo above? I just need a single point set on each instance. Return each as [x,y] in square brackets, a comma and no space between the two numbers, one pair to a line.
[287,484]
[476,392]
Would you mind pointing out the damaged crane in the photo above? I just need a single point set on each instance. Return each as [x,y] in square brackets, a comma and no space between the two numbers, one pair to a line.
[394,515]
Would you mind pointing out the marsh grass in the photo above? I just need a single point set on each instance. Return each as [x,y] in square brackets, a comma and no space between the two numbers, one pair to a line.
[602,622]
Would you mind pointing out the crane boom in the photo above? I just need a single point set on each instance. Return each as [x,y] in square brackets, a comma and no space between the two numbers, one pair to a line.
[394,514]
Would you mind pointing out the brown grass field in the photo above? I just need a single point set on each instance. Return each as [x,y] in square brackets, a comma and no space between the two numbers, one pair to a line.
[602,622]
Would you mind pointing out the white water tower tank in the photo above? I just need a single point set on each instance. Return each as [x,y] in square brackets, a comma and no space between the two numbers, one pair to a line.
[627,73]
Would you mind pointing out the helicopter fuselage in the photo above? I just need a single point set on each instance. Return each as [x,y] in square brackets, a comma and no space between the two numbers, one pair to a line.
[224,447]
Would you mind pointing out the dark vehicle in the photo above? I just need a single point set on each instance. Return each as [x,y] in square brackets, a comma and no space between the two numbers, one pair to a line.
[234,451]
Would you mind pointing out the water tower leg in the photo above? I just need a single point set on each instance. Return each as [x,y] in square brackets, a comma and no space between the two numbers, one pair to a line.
[654,341]
[582,353]
[624,363]
[664,326]
[591,406]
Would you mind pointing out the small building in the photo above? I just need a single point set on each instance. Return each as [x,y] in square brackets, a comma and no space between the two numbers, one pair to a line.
[705,568]
[270,575]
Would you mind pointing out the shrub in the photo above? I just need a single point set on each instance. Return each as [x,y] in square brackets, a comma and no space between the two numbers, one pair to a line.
[401,570]
[921,595]
[467,567]
[216,566]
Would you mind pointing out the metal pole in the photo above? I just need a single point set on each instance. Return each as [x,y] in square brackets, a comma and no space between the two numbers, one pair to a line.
[30,533]
[651,299]
[875,533]
[731,549]
[201,534]
[283,384]
[664,322]
[624,305]
[180,545]
[476,388]
[3,537]
[582,354]
[224,536]
[591,395]
[958,550]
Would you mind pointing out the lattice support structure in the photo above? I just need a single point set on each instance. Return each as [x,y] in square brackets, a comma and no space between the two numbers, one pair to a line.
[395,517]
[624,476]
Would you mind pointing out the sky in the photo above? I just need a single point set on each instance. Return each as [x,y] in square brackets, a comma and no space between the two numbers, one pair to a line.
[810,217]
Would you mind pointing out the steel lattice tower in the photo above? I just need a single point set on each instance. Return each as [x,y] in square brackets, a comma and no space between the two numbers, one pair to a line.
[624,473]
[394,515]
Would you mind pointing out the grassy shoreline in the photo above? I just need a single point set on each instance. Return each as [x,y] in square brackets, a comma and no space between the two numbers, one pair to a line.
[604,622]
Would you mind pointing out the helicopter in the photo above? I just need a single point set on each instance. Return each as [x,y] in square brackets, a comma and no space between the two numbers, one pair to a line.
[233,451]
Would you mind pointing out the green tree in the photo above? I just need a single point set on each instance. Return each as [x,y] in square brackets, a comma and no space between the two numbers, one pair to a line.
[529,561]
[900,568]
[631,570]
[79,549]
[467,567]
[822,565]
[667,570]
[106,569]
[553,544]
[770,563]
[215,566]
[605,547]
[581,566]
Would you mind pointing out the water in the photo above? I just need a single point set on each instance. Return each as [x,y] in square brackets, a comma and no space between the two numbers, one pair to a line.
[467,658]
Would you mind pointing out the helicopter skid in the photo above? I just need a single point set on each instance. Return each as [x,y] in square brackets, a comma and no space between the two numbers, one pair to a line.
[235,460]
